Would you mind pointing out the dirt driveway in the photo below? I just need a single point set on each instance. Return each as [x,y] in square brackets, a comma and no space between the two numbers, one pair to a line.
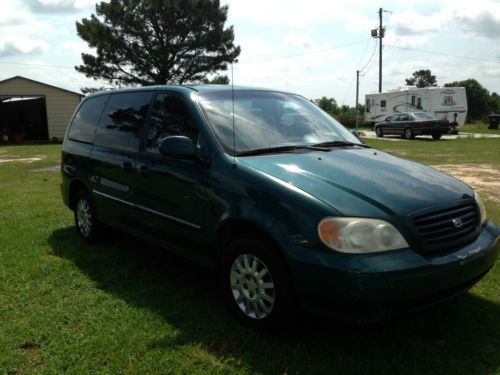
[483,177]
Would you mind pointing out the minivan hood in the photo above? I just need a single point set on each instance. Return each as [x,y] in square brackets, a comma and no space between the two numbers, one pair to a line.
[349,179]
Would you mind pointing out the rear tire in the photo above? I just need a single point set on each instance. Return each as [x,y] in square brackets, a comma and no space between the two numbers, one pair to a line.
[256,285]
[86,222]
[408,134]
[436,136]
[378,132]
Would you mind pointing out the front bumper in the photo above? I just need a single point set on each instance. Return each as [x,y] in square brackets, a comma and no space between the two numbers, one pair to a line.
[373,286]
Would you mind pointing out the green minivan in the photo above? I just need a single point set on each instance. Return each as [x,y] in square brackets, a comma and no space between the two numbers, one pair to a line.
[287,206]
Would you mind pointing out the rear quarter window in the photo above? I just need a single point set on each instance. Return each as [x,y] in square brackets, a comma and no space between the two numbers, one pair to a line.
[84,124]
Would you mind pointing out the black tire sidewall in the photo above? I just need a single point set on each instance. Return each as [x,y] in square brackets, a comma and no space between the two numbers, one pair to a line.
[284,305]
[378,132]
[411,133]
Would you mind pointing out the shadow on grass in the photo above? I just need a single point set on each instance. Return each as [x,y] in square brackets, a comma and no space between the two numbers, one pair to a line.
[417,138]
[461,337]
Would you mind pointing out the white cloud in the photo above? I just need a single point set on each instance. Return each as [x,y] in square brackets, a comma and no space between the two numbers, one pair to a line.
[405,41]
[298,13]
[19,45]
[58,6]
[304,32]
[77,47]
[297,41]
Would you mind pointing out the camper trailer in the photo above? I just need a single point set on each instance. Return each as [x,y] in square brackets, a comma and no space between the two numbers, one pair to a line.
[446,103]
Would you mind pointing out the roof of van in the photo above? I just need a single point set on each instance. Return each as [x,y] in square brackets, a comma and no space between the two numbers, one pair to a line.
[187,88]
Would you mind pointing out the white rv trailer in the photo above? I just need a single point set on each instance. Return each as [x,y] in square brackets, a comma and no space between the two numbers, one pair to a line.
[446,103]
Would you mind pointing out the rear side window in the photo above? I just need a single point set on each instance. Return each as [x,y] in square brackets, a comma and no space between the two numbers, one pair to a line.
[122,121]
[84,124]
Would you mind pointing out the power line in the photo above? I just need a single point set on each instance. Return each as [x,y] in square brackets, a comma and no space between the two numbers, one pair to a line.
[303,53]
[37,65]
[364,52]
[239,63]
[444,54]
[370,60]
[348,91]
[369,68]
[437,30]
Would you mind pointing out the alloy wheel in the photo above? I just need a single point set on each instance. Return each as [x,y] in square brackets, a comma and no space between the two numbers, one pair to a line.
[84,217]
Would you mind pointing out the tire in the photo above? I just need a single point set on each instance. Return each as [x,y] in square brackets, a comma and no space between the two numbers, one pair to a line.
[86,222]
[436,136]
[256,285]
[378,132]
[408,134]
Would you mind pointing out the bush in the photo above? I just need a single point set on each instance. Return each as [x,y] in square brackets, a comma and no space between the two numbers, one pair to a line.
[348,118]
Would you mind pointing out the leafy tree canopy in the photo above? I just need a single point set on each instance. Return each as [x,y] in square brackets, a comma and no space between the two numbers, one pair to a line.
[156,41]
[422,78]
[217,80]
[479,101]
[326,104]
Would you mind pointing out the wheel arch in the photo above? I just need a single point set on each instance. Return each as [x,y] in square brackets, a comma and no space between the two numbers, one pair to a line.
[234,227]
[75,187]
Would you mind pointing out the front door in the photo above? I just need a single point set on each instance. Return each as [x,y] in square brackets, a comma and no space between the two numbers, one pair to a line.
[171,199]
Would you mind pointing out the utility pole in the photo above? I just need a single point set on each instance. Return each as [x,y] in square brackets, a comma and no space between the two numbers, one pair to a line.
[357,97]
[379,34]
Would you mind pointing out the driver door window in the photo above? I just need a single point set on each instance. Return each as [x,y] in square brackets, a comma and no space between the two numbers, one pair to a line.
[169,117]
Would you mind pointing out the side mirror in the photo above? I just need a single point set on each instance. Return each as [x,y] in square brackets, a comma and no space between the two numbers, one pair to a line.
[178,146]
[355,133]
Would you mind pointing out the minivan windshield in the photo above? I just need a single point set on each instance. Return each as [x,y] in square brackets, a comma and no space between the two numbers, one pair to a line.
[270,120]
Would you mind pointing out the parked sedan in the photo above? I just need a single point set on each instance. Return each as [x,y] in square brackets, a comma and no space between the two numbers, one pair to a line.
[410,124]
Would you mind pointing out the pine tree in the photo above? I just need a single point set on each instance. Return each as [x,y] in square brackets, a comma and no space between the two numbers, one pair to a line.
[156,41]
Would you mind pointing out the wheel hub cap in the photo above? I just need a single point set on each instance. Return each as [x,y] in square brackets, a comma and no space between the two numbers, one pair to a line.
[252,286]
[84,217]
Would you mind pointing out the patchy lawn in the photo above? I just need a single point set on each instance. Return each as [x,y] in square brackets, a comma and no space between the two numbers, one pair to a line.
[485,178]
[124,306]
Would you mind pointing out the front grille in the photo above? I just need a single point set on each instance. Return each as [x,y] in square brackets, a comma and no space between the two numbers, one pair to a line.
[437,230]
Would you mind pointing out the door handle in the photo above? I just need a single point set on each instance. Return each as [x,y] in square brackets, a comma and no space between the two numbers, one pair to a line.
[127,166]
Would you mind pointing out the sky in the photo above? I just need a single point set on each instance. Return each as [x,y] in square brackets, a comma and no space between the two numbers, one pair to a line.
[309,47]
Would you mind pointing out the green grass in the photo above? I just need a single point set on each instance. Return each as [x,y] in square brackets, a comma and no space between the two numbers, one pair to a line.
[477,128]
[125,307]
[445,151]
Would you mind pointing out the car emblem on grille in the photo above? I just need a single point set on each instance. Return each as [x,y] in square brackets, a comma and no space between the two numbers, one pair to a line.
[457,223]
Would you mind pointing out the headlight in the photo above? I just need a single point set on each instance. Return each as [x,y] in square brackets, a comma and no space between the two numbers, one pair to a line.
[482,209]
[359,235]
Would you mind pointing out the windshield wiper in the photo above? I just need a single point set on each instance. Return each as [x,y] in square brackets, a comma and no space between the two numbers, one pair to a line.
[278,149]
[340,144]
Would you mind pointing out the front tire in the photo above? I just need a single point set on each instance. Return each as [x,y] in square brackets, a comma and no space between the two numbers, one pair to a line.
[86,222]
[256,285]
[378,132]
[436,136]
